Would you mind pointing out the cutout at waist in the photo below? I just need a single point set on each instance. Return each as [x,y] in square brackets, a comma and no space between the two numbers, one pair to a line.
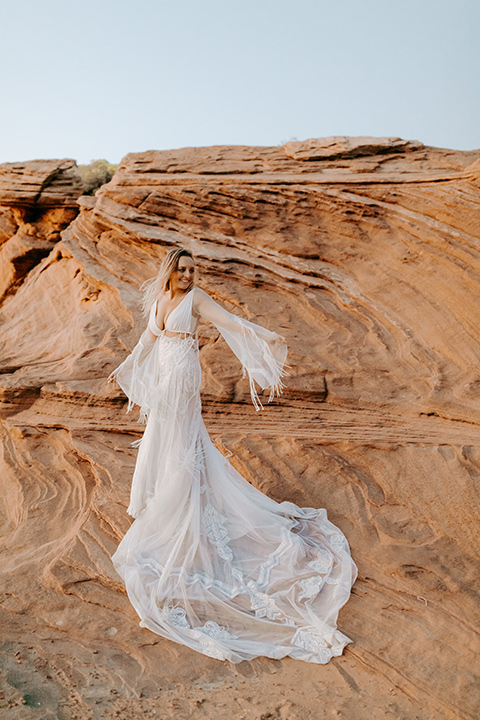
[182,335]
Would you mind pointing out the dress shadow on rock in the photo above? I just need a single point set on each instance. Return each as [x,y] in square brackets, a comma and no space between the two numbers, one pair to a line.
[210,561]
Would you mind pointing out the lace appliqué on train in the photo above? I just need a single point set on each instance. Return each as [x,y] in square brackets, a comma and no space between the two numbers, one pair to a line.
[217,533]
[322,565]
[209,635]
[311,640]
[313,643]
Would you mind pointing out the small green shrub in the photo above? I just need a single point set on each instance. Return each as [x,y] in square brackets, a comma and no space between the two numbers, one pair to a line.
[96,174]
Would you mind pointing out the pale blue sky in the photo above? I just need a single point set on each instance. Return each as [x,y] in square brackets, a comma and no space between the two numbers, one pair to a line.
[92,79]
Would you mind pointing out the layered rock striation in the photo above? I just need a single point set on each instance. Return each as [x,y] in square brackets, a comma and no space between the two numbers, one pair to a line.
[364,253]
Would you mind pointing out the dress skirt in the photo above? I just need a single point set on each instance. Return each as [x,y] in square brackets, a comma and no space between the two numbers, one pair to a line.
[210,561]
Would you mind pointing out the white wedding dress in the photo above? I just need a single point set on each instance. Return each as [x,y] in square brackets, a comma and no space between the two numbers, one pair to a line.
[210,561]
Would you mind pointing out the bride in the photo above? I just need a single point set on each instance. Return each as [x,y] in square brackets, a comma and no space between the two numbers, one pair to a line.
[210,561]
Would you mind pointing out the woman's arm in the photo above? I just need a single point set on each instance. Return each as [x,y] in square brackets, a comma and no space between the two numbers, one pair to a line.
[142,348]
[208,309]
[261,351]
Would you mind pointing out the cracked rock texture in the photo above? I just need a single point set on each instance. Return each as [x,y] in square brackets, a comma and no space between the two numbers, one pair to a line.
[364,253]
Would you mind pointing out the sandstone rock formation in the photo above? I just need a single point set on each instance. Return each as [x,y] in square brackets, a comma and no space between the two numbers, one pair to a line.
[365,252]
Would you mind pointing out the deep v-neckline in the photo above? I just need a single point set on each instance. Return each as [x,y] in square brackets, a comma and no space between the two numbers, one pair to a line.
[171,311]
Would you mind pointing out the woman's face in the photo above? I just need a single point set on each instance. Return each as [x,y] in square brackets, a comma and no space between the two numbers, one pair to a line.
[183,276]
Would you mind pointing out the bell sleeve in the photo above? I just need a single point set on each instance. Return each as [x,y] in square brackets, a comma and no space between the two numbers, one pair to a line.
[261,352]
[135,375]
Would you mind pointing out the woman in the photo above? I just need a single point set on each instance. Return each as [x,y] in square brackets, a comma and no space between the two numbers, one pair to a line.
[210,561]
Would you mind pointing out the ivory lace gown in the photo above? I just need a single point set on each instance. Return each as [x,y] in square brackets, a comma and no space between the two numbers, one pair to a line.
[210,561]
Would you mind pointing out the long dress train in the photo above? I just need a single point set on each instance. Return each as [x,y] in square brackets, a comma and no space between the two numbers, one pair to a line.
[210,561]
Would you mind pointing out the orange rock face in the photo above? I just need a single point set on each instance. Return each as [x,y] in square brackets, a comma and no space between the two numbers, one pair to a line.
[364,253]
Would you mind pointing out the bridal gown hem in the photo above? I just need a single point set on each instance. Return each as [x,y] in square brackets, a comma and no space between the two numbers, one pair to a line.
[210,561]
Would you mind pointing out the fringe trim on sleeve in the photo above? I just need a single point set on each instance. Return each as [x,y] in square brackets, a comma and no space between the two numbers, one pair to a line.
[276,370]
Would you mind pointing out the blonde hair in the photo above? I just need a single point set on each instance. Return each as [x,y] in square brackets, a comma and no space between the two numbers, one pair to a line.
[154,287]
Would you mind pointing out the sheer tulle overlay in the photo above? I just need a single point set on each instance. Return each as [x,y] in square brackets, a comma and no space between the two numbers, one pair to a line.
[210,561]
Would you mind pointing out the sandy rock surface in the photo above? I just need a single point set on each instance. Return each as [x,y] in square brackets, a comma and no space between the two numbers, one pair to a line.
[364,253]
